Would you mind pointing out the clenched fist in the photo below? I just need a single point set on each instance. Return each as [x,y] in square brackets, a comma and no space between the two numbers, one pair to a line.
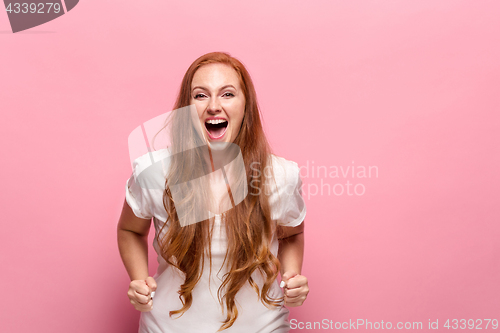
[296,288]
[139,293]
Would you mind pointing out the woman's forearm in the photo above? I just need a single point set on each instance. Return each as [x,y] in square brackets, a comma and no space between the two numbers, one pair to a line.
[134,253]
[291,253]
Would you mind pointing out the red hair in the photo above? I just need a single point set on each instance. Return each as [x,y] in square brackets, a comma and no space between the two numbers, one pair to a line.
[249,227]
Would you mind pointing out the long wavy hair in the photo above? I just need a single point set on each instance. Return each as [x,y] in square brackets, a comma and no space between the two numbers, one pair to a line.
[249,227]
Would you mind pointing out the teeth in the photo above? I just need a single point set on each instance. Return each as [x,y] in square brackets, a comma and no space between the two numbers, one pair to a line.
[216,121]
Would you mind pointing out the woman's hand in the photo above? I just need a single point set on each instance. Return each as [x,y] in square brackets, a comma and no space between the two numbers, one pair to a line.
[296,288]
[139,293]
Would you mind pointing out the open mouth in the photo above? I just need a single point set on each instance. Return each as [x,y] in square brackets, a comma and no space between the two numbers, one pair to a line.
[216,128]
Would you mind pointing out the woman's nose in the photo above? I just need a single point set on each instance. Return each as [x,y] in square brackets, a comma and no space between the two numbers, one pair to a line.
[214,106]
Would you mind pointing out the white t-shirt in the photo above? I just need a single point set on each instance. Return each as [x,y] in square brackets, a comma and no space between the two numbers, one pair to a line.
[206,314]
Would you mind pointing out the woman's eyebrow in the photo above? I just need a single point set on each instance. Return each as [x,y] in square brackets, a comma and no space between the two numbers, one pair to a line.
[222,88]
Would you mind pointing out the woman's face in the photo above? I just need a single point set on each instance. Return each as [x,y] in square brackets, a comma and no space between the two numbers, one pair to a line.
[219,100]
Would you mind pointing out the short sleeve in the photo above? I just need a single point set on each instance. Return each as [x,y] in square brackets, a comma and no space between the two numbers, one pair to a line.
[136,197]
[292,208]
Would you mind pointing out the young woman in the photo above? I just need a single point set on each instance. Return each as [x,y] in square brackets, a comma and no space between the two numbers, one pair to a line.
[219,273]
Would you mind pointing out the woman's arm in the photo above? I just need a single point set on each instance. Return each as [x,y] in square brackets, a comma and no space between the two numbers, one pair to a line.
[290,254]
[291,248]
[133,243]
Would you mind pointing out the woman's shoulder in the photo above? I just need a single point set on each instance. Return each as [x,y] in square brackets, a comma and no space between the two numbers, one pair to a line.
[150,169]
[284,170]
[157,163]
[282,164]
[149,159]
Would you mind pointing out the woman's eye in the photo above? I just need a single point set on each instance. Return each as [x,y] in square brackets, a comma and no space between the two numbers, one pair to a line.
[198,95]
[228,94]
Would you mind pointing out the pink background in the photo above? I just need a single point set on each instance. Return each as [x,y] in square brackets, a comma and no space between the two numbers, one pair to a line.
[410,87]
